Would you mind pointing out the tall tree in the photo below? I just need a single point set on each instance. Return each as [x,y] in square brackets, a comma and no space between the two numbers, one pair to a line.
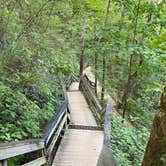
[104,56]
[82,48]
[131,74]
[155,154]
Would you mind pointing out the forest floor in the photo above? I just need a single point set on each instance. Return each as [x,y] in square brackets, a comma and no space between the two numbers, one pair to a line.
[107,97]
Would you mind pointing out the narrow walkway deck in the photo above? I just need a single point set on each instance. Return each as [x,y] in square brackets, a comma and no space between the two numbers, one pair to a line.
[79,147]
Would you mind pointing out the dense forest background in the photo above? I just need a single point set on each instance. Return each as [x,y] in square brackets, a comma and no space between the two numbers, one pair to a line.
[40,43]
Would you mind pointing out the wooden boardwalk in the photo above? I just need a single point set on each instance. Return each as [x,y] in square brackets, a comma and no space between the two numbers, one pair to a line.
[72,138]
[79,147]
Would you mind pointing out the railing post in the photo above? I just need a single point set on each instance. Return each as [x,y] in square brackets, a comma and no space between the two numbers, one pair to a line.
[107,125]
[3,163]
[66,112]
[106,157]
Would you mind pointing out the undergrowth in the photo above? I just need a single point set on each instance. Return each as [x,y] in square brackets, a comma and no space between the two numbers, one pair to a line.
[128,144]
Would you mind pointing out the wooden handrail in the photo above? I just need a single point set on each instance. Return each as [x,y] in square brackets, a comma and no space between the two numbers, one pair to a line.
[107,125]
[91,99]
[92,84]
[49,130]
[92,96]
[53,131]
[49,138]
[106,157]
[71,78]
[12,149]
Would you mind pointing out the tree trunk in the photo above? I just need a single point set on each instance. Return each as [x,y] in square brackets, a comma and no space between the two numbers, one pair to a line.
[104,56]
[103,77]
[128,85]
[82,48]
[155,154]
[96,68]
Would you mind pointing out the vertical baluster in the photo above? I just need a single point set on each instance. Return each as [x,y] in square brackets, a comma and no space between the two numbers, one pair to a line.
[3,163]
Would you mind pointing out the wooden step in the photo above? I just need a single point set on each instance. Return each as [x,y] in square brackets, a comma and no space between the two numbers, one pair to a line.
[79,148]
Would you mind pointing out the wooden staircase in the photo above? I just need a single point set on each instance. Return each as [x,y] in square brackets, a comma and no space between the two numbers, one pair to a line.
[75,136]
[82,146]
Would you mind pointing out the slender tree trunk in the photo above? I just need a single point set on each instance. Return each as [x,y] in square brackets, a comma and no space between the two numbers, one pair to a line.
[103,77]
[107,13]
[96,68]
[104,56]
[155,154]
[96,57]
[82,51]
[121,15]
[130,75]
[82,48]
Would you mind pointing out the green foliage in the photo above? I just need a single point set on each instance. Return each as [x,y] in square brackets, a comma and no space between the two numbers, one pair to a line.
[128,144]
[18,115]
[39,47]
[36,53]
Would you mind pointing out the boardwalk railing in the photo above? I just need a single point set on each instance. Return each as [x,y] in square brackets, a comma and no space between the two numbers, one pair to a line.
[91,98]
[46,146]
[104,116]
[71,78]
[92,84]
[106,157]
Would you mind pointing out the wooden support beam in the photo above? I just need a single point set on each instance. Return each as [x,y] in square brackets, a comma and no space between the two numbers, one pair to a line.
[3,163]
[38,162]
[92,96]
[107,126]
[8,150]
[57,134]
[85,127]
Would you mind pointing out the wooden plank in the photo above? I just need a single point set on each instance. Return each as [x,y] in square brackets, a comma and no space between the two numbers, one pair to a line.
[74,86]
[79,148]
[80,111]
[75,78]
[92,84]
[51,127]
[107,126]
[54,127]
[38,162]
[93,97]
[83,127]
[52,144]
[13,149]
[3,163]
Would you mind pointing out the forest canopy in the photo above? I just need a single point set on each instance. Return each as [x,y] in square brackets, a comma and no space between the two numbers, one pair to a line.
[41,43]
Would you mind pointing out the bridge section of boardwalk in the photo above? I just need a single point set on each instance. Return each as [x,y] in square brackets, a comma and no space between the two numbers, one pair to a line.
[82,143]
[72,137]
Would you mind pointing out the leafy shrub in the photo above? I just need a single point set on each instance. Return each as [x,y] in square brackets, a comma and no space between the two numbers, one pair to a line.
[128,144]
[19,117]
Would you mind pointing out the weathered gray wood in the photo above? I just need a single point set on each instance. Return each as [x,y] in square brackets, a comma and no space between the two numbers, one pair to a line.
[93,97]
[107,126]
[80,111]
[8,150]
[92,84]
[52,126]
[72,78]
[38,162]
[52,144]
[106,157]
[3,163]
[84,127]
[79,148]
